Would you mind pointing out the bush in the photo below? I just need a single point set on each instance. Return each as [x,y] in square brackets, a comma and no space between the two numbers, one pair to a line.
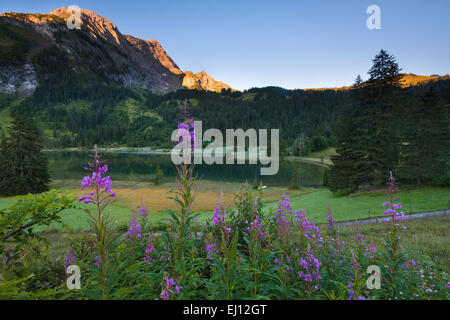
[158,176]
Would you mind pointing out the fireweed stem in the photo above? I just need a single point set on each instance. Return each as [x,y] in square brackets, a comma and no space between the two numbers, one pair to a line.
[101,225]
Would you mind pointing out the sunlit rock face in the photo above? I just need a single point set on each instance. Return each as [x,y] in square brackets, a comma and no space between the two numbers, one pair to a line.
[203,81]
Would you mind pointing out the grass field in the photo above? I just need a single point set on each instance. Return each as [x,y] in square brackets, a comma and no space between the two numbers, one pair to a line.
[369,204]
[427,236]
[314,201]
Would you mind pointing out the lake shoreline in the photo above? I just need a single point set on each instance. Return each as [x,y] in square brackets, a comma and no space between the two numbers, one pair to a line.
[113,150]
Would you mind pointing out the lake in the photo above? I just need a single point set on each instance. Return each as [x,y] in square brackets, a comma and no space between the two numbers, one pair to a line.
[133,166]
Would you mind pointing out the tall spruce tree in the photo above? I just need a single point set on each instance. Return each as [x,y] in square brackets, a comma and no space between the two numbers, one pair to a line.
[382,100]
[23,167]
[367,135]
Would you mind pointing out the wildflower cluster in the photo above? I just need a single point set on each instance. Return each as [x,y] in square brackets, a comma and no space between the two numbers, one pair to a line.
[257,227]
[186,126]
[69,260]
[334,244]
[282,214]
[366,249]
[392,208]
[134,233]
[98,181]
[150,248]
[309,268]
[309,229]
[244,255]
[210,249]
[169,288]
[219,216]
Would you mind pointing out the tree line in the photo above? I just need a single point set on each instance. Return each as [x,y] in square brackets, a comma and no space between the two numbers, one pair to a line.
[391,128]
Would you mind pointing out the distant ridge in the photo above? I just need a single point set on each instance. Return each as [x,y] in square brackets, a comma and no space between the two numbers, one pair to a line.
[407,80]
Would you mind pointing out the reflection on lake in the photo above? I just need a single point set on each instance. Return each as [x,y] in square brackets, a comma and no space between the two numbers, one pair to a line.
[140,167]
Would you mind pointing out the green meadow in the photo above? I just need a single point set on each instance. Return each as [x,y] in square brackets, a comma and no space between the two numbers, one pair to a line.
[314,200]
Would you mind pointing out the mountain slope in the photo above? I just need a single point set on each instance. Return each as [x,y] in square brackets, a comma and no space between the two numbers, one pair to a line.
[40,47]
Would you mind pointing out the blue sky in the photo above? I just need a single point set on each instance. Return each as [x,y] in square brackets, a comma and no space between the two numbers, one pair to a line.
[291,44]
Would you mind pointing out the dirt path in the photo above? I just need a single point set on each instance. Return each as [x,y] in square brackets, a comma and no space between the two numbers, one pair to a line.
[383,219]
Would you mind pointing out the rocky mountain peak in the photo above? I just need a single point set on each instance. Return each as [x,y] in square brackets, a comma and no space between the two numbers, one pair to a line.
[203,81]
[98,49]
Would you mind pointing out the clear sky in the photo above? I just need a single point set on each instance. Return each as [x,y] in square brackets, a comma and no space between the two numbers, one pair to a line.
[291,44]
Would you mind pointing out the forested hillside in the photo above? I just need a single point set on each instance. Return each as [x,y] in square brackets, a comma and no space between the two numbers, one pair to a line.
[76,116]
[71,115]
[392,129]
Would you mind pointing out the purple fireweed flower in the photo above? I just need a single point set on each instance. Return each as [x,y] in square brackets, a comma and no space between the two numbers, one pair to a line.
[217,217]
[282,213]
[97,261]
[395,217]
[143,212]
[96,175]
[165,255]
[257,227]
[188,126]
[85,199]
[69,260]
[303,263]
[368,248]
[105,182]
[102,170]
[96,179]
[147,257]
[309,229]
[164,295]
[310,268]
[331,222]
[168,284]
[211,249]
[134,231]
[86,182]
[413,263]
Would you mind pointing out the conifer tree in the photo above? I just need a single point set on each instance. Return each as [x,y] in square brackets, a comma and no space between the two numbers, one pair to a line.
[358,81]
[382,100]
[23,168]
[367,135]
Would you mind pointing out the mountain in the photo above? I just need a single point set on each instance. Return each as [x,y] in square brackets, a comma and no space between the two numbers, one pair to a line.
[203,81]
[37,48]
[412,80]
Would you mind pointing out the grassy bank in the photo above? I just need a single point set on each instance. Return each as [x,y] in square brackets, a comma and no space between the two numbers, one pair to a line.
[318,157]
[314,201]
[428,236]
[369,204]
